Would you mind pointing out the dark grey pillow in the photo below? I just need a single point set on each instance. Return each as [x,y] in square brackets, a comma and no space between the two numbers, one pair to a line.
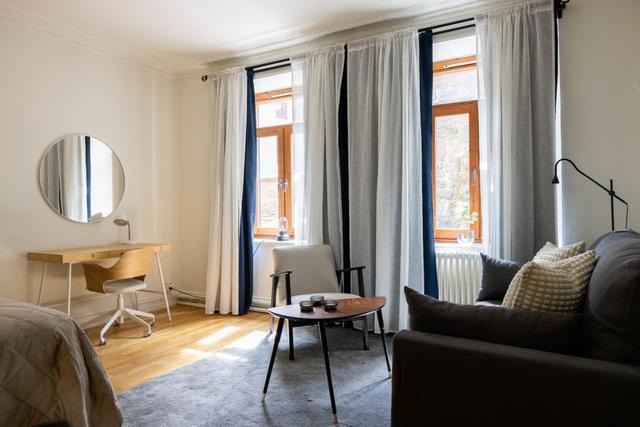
[520,328]
[496,277]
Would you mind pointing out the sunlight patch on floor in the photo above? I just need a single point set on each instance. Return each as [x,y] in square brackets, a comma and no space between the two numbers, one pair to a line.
[249,341]
[218,335]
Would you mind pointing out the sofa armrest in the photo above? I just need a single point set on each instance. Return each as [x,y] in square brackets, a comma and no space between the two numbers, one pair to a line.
[444,380]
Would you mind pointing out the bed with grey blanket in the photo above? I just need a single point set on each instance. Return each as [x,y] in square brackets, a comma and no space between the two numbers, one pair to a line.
[49,371]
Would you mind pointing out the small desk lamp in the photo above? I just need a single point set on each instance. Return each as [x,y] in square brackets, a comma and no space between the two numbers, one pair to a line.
[612,194]
[122,221]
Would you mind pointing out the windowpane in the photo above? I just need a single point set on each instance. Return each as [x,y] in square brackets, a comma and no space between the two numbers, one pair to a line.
[267,185]
[455,87]
[452,171]
[274,113]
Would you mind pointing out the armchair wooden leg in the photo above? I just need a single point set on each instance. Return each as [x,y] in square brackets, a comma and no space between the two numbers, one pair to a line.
[365,333]
[290,339]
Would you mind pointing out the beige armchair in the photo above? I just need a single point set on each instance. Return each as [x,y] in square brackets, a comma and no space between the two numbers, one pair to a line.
[311,270]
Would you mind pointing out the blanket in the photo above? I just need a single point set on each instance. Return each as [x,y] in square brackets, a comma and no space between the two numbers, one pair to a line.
[49,371]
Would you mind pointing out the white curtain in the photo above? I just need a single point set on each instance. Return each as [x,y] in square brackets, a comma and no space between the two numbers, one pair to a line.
[517,115]
[385,193]
[316,91]
[227,164]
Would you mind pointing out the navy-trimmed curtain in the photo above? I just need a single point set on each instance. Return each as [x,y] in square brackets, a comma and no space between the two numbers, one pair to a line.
[426,97]
[245,282]
[343,150]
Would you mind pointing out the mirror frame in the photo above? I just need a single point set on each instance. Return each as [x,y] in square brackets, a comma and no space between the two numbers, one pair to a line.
[39,174]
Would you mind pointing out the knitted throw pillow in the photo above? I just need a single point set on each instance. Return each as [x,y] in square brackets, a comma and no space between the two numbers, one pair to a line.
[556,286]
[552,253]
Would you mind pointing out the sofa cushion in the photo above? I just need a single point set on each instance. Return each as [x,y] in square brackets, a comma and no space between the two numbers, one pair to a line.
[556,286]
[496,275]
[551,253]
[531,329]
[610,328]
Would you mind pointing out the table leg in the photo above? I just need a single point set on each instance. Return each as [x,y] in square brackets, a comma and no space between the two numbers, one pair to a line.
[290,330]
[44,273]
[276,341]
[69,290]
[325,352]
[365,333]
[164,289]
[384,341]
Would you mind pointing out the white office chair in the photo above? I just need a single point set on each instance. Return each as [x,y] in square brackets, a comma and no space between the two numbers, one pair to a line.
[311,270]
[125,276]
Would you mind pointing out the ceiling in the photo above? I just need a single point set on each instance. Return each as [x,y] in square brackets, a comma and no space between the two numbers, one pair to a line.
[180,36]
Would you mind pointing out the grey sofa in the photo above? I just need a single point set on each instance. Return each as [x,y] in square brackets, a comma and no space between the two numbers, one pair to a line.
[470,365]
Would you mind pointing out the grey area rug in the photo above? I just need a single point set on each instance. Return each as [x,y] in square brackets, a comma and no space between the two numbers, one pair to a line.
[225,389]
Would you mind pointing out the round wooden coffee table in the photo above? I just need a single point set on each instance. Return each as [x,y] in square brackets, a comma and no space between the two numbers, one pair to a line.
[347,309]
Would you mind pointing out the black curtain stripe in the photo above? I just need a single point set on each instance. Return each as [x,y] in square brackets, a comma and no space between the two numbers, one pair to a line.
[343,152]
[247,217]
[426,94]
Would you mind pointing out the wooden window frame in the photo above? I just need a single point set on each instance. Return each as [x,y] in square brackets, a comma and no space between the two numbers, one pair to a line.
[455,65]
[285,158]
[457,108]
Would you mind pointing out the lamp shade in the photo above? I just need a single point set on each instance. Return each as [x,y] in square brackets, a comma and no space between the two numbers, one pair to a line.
[122,221]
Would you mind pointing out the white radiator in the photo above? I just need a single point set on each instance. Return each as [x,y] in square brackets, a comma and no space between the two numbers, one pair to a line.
[459,273]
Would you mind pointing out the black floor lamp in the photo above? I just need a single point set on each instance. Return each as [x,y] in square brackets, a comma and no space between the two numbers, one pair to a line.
[612,194]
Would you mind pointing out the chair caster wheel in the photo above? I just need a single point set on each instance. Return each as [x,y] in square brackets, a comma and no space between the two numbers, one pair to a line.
[102,341]
[146,334]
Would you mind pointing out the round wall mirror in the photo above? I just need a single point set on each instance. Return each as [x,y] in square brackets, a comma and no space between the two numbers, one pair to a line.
[81,178]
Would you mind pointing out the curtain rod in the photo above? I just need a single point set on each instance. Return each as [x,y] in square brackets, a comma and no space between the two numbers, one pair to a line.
[273,65]
[448,24]
[559,6]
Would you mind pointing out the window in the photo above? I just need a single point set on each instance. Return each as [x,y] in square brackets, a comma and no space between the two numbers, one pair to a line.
[456,172]
[273,172]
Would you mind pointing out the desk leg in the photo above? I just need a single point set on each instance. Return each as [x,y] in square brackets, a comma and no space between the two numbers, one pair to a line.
[69,290]
[44,273]
[164,289]
[325,352]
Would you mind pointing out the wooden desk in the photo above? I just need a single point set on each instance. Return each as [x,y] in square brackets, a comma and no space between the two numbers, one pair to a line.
[79,255]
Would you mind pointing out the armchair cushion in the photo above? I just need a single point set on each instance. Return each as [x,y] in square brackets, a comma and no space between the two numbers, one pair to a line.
[313,268]
[519,328]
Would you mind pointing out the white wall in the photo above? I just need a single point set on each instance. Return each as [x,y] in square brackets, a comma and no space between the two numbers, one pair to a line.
[195,181]
[600,51]
[48,88]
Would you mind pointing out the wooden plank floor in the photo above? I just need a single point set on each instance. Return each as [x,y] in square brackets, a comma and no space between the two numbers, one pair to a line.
[130,359]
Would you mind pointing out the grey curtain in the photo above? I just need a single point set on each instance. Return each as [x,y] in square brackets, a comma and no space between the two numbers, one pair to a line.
[317,79]
[517,109]
[385,167]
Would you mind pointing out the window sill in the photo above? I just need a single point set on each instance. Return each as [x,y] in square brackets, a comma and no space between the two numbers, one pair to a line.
[262,239]
[476,247]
